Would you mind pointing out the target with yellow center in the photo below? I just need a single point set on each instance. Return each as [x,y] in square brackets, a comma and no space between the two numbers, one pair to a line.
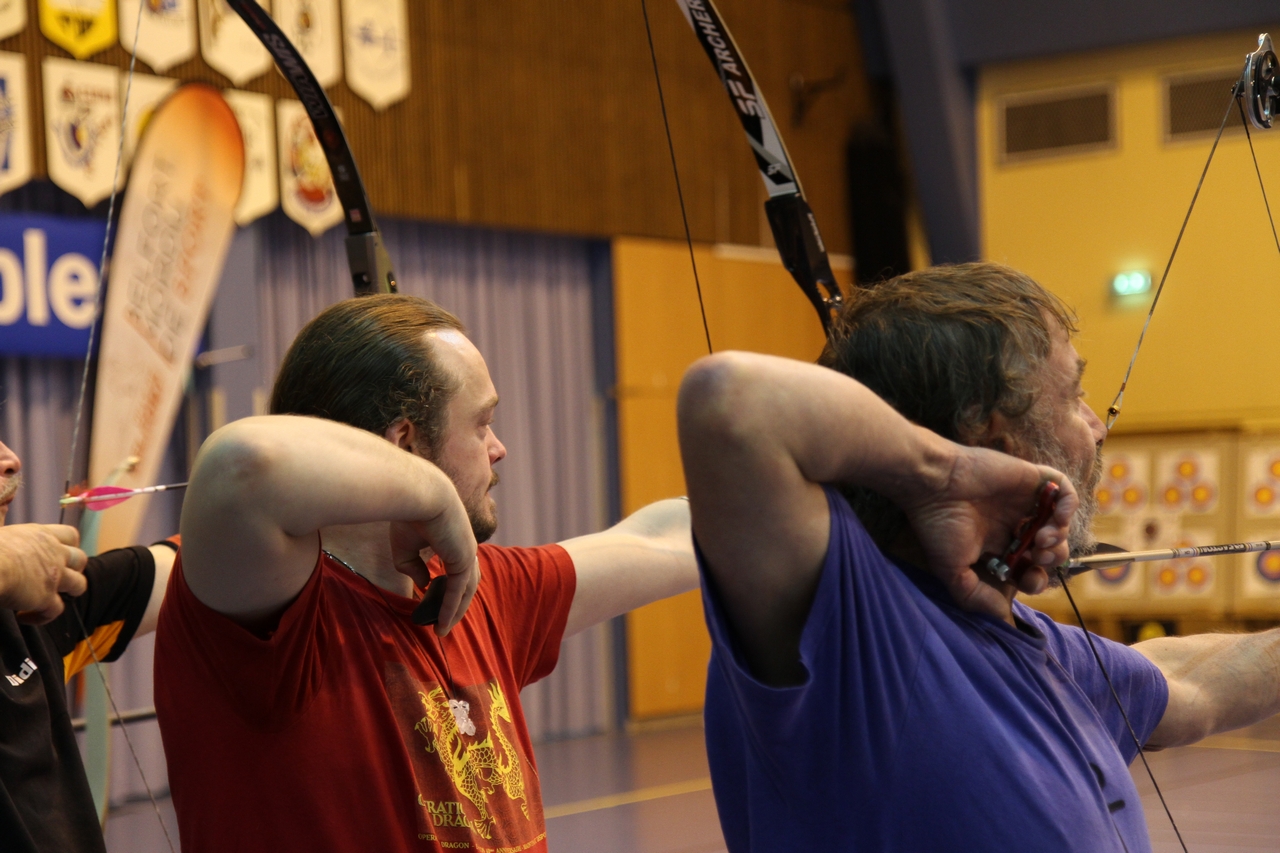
[1120,470]
[1132,496]
[1167,577]
[1173,496]
[1187,469]
[1202,495]
[1197,575]
[1273,467]
[1269,566]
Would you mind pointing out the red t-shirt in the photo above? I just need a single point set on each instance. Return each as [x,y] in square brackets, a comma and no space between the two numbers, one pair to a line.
[347,729]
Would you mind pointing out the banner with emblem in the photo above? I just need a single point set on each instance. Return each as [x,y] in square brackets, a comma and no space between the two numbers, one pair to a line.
[260,193]
[81,126]
[306,184]
[15,122]
[145,95]
[312,26]
[376,41]
[175,228]
[228,45]
[80,27]
[13,17]
[168,32]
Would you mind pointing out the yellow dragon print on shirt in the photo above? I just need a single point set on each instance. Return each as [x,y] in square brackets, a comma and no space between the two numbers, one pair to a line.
[478,768]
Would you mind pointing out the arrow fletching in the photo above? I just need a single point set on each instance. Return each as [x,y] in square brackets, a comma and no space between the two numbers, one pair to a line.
[105,497]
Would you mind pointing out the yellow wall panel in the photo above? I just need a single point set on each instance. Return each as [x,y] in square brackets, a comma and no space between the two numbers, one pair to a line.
[752,304]
[1074,221]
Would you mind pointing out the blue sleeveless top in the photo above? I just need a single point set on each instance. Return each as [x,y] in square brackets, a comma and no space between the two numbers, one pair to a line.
[922,727]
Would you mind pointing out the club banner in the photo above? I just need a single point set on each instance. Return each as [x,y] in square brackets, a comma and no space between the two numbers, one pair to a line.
[261,191]
[13,17]
[48,283]
[174,231]
[81,126]
[168,32]
[15,122]
[376,39]
[145,95]
[312,26]
[306,184]
[80,27]
[228,45]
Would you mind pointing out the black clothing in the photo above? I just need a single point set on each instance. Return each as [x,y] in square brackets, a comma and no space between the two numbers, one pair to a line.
[45,803]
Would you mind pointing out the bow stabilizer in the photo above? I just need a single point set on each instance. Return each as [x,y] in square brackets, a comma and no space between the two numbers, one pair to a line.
[371,270]
[795,230]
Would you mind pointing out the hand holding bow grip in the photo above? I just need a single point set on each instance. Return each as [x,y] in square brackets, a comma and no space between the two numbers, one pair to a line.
[1015,559]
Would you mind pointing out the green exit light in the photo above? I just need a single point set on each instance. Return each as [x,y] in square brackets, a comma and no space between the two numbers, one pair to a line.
[1132,283]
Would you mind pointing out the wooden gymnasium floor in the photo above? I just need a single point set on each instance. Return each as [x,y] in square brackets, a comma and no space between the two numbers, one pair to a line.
[648,792]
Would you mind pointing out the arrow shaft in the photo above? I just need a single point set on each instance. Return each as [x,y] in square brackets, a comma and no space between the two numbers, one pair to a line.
[1119,557]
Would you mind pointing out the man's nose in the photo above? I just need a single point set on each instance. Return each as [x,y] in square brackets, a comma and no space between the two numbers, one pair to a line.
[1096,425]
[497,451]
[10,464]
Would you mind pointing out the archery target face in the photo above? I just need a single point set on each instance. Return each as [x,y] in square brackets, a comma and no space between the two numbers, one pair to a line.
[1125,487]
[1187,480]
[1261,482]
[1185,578]
[1259,574]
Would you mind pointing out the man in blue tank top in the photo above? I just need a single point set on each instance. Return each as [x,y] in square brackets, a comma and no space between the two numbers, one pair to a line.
[869,690]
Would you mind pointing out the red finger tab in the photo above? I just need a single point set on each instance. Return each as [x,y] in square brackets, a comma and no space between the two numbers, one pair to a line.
[1016,558]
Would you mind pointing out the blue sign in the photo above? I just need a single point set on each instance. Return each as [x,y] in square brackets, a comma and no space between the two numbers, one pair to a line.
[48,283]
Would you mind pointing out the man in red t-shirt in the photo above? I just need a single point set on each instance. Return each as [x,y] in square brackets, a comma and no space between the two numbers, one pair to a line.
[301,706]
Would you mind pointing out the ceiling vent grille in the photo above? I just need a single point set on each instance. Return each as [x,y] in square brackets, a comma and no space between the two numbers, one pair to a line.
[1055,123]
[1194,105]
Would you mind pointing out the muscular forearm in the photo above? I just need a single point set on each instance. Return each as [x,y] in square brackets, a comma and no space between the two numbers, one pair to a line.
[833,428]
[1217,682]
[309,473]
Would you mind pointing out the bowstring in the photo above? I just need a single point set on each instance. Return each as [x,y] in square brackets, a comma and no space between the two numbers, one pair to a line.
[1113,411]
[103,273]
[675,170]
[1123,714]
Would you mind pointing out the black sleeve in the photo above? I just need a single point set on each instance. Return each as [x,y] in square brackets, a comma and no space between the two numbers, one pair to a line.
[120,583]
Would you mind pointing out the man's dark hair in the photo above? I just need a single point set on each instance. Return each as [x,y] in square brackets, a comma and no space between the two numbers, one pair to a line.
[947,347]
[364,362]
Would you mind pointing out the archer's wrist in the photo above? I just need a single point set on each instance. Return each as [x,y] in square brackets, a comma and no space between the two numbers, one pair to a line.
[930,467]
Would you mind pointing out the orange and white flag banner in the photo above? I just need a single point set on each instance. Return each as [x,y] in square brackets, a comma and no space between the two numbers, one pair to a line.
[168,32]
[146,94]
[80,27]
[15,122]
[261,191]
[306,184]
[13,17]
[228,45]
[175,228]
[81,126]
[312,26]
[376,40]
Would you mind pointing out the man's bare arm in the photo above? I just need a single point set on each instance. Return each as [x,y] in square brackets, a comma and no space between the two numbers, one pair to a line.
[164,558]
[646,556]
[1217,682]
[262,487]
[758,435]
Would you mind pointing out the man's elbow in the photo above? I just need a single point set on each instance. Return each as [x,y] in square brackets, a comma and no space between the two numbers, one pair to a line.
[237,459]
[714,396]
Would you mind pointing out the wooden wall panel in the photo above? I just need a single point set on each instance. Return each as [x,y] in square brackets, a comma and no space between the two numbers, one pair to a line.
[543,115]
[752,304]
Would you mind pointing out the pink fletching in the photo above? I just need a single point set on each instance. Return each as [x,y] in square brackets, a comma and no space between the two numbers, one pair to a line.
[105,497]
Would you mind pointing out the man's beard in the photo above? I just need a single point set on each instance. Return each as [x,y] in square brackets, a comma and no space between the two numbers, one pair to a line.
[6,495]
[1084,475]
[482,514]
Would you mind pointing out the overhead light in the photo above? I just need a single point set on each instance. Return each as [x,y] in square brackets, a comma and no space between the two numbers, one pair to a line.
[1131,283]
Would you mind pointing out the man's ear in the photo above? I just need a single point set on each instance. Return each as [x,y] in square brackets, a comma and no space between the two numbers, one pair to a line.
[403,434]
[999,434]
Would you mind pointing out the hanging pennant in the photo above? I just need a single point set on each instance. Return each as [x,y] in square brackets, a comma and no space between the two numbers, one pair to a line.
[174,232]
[312,26]
[376,40]
[80,27]
[13,17]
[228,45]
[81,126]
[306,184]
[168,32]
[260,193]
[144,97]
[15,122]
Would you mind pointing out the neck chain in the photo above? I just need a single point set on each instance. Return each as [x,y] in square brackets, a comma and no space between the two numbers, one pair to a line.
[449,688]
